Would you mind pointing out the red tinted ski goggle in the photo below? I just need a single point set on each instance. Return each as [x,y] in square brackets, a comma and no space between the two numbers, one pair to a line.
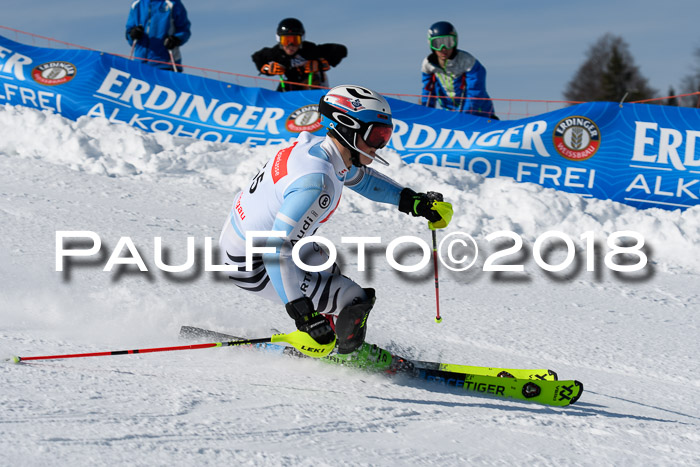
[442,42]
[378,135]
[290,40]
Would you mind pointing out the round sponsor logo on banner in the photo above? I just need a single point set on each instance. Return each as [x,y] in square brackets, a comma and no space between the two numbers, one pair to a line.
[576,138]
[306,118]
[53,73]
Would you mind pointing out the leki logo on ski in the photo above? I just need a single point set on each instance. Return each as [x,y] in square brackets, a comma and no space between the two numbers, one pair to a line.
[305,118]
[53,73]
[576,138]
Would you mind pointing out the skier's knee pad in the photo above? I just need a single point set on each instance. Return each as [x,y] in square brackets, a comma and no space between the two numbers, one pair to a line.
[351,324]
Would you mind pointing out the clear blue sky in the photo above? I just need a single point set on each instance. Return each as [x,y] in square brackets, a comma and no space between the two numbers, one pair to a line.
[530,49]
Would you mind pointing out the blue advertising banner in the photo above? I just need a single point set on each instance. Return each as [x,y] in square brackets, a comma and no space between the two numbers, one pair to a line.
[637,154]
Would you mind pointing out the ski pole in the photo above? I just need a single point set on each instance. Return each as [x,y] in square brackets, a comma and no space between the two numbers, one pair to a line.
[300,340]
[133,46]
[172,60]
[311,78]
[436,200]
[438,319]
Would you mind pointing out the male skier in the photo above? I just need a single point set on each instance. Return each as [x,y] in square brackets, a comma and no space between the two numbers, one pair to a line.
[297,191]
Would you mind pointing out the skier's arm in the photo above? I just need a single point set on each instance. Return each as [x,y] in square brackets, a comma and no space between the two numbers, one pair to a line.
[476,87]
[333,53]
[378,187]
[428,94]
[264,57]
[131,22]
[300,211]
[182,23]
[429,81]
[373,185]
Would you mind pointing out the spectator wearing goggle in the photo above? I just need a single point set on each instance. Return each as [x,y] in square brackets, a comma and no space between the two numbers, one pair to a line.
[299,64]
[453,77]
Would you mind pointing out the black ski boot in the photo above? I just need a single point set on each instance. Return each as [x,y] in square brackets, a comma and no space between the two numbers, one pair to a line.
[351,324]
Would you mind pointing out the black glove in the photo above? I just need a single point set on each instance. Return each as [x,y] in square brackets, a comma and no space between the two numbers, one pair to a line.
[136,33]
[420,204]
[310,321]
[171,42]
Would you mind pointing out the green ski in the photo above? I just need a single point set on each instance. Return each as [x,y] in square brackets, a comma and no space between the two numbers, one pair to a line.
[555,393]
[541,374]
[191,332]
[532,385]
[498,382]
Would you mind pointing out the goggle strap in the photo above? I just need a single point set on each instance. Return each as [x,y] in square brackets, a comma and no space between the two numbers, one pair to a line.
[353,145]
[376,157]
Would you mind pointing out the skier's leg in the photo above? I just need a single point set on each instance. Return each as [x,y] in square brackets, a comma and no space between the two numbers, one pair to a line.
[328,289]
[338,297]
[344,303]
[232,253]
[351,323]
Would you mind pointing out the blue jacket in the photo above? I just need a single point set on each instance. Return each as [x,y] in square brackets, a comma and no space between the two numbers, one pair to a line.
[159,18]
[463,76]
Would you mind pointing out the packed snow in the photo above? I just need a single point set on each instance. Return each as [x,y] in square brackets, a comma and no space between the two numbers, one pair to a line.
[631,337]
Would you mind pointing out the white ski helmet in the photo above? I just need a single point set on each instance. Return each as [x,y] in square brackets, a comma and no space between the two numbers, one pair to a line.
[350,111]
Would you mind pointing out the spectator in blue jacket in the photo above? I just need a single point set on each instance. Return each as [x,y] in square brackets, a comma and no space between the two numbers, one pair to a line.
[156,28]
[450,75]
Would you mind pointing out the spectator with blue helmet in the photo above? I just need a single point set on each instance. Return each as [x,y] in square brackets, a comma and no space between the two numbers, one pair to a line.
[156,29]
[453,77]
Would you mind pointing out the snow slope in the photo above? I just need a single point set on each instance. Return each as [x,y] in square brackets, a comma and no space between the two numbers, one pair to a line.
[631,338]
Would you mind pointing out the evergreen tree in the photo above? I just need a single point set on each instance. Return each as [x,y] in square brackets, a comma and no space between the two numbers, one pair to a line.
[672,100]
[608,74]
[691,83]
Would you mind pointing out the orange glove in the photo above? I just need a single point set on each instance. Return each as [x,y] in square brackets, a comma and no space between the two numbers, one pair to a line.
[314,66]
[272,68]
[311,66]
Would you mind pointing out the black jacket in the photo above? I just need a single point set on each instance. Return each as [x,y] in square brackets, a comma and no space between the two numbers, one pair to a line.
[294,64]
